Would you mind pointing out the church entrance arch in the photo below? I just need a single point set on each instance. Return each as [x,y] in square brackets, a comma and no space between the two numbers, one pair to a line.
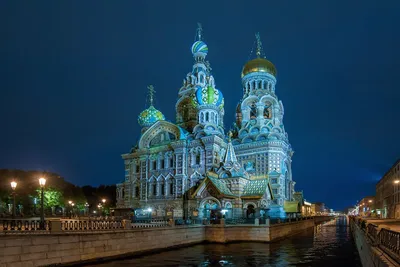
[210,208]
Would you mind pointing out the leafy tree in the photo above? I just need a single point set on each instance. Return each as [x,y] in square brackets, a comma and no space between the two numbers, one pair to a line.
[52,197]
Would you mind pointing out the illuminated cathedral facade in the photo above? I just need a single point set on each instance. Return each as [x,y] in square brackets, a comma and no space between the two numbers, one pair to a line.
[194,168]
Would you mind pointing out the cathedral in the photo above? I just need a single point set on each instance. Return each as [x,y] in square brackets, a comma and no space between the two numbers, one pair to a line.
[193,168]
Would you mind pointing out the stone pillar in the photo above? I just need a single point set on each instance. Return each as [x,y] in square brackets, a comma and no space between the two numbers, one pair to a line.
[126,224]
[267,222]
[257,222]
[55,226]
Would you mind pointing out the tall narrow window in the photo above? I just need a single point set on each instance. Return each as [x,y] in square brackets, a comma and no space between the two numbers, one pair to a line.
[162,164]
[198,158]
[253,111]
[171,188]
[154,189]
[137,168]
[154,165]
[137,192]
[171,162]
[162,189]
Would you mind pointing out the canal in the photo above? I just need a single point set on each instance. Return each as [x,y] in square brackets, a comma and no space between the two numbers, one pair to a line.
[328,244]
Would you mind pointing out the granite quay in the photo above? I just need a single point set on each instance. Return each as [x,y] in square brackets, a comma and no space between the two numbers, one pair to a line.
[377,241]
[73,241]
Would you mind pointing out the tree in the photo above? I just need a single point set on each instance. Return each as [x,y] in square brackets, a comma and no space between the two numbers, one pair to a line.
[52,198]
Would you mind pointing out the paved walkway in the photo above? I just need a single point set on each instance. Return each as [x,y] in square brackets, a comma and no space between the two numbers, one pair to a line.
[390,224]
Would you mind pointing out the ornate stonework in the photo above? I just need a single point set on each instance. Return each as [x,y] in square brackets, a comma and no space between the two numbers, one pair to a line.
[178,165]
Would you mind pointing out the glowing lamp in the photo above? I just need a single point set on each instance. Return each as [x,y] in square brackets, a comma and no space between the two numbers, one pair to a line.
[13,185]
[224,211]
[42,182]
[397,181]
[149,209]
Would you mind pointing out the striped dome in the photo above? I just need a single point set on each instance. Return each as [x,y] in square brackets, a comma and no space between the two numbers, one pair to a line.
[199,48]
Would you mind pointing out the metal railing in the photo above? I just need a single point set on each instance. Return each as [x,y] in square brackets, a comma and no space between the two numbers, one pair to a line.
[385,239]
[372,231]
[389,242]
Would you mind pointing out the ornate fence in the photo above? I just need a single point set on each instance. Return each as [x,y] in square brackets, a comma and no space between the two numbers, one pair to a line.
[89,225]
[23,225]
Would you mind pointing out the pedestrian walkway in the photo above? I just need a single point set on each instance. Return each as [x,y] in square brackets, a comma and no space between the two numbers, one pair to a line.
[390,224]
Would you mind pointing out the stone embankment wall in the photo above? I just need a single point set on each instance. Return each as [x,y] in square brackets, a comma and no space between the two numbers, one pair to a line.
[38,250]
[28,250]
[370,255]
[220,234]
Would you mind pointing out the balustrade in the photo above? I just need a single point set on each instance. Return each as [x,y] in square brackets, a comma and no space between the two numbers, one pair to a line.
[23,225]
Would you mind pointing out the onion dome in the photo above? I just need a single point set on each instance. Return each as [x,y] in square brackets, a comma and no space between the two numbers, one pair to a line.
[199,49]
[150,116]
[259,65]
[209,96]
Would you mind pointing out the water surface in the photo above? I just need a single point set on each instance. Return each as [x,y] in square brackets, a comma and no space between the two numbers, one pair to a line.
[330,244]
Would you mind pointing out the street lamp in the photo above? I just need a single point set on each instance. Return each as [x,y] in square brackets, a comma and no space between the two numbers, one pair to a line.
[42,183]
[103,200]
[370,201]
[397,181]
[13,186]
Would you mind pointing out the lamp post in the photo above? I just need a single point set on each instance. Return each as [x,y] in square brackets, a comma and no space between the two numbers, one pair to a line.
[103,206]
[13,186]
[42,183]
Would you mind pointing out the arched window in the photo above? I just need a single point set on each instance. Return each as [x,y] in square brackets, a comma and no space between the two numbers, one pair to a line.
[207,116]
[198,158]
[267,114]
[171,188]
[253,111]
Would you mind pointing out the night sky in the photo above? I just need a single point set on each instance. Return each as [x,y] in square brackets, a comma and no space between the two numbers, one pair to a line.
[73,78]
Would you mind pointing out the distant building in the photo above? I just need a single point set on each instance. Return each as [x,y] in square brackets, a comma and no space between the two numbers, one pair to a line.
[190,167]
[388,193]
[304,206]
[318,208]
[366,207]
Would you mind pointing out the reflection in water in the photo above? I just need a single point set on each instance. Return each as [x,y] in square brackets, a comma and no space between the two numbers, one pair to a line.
[329,244]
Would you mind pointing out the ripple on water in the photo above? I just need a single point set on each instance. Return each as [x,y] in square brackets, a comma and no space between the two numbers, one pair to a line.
[325,245]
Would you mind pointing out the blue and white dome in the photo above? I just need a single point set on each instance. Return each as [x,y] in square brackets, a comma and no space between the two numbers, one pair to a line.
[209,96]
[199,49]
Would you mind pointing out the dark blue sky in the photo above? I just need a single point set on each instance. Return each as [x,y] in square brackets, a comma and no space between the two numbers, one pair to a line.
[73,79]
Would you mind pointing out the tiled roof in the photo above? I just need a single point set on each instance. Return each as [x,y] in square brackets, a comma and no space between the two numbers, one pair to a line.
[256,187]
[221,186]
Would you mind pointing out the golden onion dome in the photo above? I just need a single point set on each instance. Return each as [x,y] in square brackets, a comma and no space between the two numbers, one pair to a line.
[259,65]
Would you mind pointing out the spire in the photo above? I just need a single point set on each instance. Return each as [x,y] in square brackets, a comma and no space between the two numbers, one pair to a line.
[230,156]
[151,94]
[259,45]
[199,32]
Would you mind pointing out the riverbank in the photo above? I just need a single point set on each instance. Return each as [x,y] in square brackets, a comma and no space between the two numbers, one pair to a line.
[369,244]
[76,247]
